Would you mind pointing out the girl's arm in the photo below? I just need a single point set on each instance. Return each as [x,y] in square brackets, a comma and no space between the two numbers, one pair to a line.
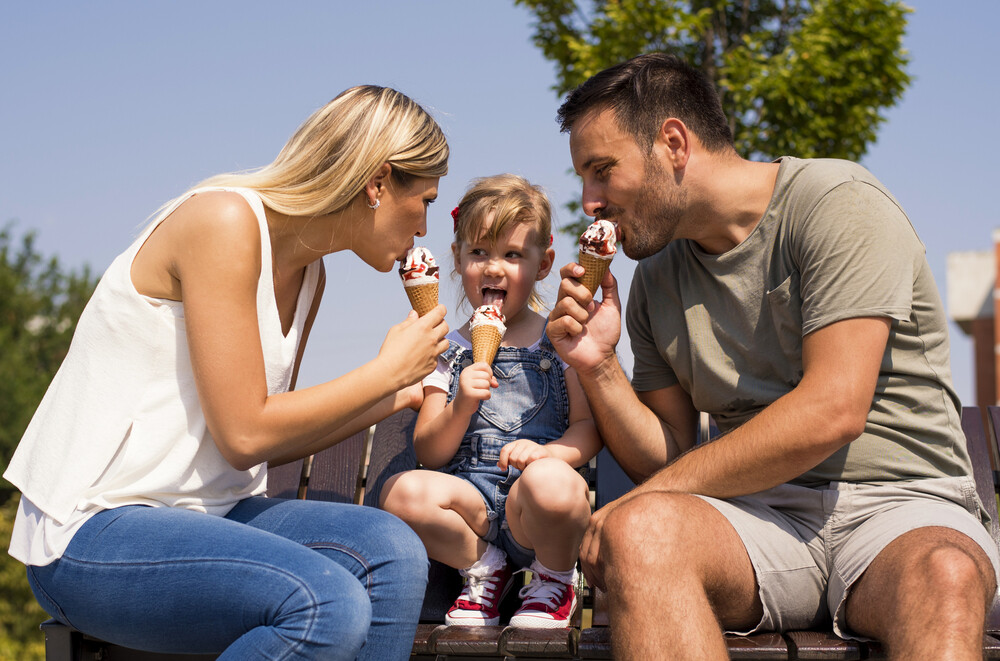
[442,424]
[578,444]
[213,245]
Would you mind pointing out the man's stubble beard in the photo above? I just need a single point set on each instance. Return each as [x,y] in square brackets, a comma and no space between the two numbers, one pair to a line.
[658,211]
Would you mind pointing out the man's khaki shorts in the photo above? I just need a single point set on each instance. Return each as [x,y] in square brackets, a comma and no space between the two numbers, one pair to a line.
[808,546]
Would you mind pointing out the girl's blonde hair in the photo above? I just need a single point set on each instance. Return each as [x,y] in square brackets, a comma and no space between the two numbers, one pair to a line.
[328,161]
[510,199]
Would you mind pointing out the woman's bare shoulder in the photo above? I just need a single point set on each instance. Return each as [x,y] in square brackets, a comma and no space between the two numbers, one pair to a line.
[212,230]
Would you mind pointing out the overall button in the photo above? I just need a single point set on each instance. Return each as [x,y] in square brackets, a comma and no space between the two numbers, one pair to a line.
[545,364]
[466,362]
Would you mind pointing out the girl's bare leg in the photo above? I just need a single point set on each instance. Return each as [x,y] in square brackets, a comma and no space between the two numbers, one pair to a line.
[548,510]
[446,512]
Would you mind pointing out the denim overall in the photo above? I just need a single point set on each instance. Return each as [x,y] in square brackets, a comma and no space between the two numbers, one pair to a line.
[530,402]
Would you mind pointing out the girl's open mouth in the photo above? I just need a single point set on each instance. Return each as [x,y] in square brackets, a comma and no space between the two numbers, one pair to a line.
[492,296]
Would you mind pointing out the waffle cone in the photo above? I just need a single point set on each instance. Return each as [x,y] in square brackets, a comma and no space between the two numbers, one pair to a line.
[594,268]
[423,298]
[485,342]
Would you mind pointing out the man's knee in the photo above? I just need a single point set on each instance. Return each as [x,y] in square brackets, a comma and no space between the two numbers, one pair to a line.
[650,522]
[954,570]
[934,567]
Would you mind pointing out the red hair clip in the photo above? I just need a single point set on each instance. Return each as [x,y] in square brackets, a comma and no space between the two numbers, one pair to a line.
[454,217]
[550,240]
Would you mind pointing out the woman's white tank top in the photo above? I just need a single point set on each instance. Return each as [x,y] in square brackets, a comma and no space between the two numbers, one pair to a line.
[121,423]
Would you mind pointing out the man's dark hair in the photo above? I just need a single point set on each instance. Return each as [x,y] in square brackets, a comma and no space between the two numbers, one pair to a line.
[646,90]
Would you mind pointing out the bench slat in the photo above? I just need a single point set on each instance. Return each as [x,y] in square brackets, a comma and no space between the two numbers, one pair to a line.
[991,647]
[822,645]
[540,643]
[468,641]
[763,646]
[595,643]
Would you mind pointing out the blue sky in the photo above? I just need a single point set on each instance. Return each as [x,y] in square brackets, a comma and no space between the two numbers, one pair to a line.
[109,108]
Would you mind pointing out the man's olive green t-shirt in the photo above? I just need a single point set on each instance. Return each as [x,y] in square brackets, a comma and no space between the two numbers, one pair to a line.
[833,244]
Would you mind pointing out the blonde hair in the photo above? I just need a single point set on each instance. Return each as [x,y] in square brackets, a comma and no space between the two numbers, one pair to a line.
[329,159]
[510,199]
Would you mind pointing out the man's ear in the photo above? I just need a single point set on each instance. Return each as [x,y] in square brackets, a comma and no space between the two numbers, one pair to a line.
[374,185]
[673,143]
[548,258]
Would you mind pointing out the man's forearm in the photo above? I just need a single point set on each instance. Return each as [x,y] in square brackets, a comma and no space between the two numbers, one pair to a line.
[786,439]
[640,442]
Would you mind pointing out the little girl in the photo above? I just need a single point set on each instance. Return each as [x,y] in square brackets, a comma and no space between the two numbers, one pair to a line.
[505,440]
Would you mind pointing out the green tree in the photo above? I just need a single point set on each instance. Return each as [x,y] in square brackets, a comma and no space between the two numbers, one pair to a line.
[809,79]
[39,306]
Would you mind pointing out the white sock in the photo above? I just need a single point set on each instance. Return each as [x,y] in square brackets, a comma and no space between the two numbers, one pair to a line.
[492,560]
[567,577]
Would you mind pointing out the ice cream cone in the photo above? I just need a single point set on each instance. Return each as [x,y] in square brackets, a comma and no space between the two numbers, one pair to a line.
[485,342]
[594,268]
[423,298]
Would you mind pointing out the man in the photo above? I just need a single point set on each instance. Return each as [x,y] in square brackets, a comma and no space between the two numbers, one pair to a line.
[792,301]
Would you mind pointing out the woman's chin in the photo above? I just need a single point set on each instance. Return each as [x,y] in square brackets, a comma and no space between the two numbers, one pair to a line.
[382,263]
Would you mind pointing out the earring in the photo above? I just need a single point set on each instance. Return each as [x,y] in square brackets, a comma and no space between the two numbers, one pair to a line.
[378,203]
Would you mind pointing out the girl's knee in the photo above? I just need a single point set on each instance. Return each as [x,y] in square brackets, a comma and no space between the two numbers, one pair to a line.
[405,495]
[553,485]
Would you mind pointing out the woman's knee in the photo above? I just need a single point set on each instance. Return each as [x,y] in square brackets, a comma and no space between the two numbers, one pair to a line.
[400,542]
[324,615]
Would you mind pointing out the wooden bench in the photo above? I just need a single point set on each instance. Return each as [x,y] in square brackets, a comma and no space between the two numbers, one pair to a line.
[356,470]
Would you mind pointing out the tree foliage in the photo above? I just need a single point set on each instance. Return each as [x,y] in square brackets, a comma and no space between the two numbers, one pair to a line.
[809,79]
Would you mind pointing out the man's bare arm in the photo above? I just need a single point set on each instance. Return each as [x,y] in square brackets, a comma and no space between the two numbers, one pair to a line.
[824,412]
[585,333]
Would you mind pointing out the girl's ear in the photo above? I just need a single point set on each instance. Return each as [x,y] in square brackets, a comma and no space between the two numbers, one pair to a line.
[374,186]
[456,253]
[548,258]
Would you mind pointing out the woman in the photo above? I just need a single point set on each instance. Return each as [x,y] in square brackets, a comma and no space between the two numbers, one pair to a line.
[142,519]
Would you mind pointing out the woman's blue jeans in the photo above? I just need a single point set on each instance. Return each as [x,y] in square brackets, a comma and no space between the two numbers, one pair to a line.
[274,579]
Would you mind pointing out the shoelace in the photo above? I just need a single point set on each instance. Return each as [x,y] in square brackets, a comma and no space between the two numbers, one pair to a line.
[481,590]
[541,589]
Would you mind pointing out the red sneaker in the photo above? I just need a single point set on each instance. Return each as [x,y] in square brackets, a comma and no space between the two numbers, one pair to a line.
[548,604]
[479,603]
